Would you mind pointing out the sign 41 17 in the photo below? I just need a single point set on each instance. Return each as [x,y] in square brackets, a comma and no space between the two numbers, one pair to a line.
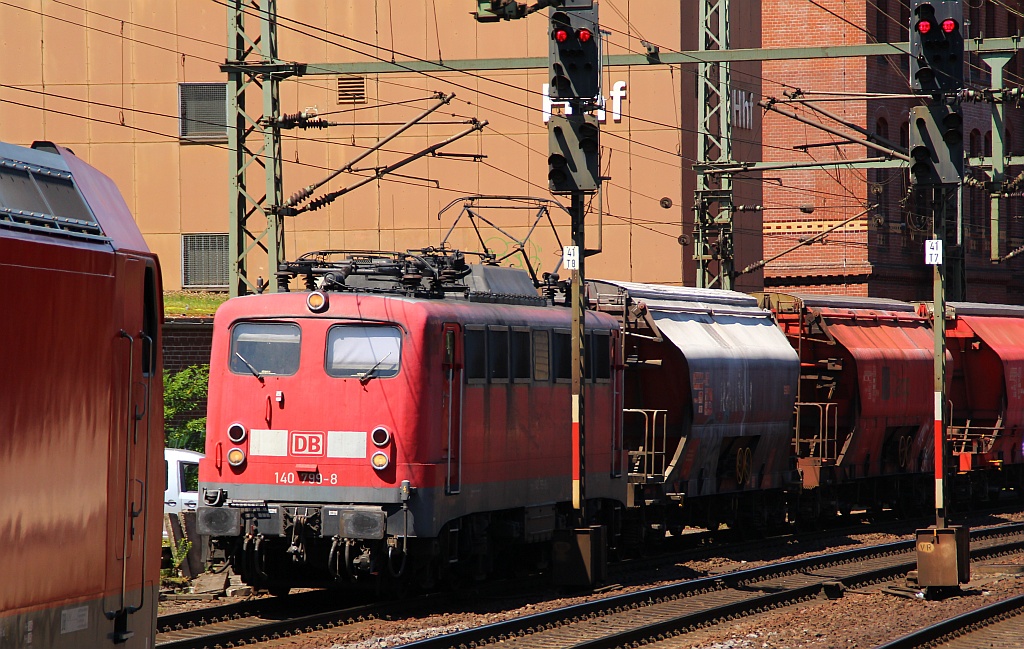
[933,252]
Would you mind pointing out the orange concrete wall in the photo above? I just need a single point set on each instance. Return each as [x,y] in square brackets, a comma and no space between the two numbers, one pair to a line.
[74,71]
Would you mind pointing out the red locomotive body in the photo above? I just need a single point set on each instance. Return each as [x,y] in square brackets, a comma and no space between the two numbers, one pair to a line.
[863,431]
[81,420]
[986,396]
[353,433]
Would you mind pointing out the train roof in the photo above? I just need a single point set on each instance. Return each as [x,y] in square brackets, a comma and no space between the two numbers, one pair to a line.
[979,309]
[661,297]
[789,301]
[48,191]
[388,306]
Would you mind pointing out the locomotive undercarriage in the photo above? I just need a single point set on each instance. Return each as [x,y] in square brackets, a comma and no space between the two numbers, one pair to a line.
[753,513]
[295,552]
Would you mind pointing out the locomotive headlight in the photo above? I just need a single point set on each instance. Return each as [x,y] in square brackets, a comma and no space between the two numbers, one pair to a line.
[380,460]
[236,457]
[317,301]
[380,436]
[236,433]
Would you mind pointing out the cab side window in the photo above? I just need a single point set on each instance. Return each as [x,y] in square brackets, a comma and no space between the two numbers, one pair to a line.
[476,354]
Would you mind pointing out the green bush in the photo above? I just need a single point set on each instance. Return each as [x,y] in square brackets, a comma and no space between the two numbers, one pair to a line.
[184,398]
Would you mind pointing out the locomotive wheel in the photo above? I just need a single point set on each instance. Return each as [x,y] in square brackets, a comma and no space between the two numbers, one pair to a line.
[279,591]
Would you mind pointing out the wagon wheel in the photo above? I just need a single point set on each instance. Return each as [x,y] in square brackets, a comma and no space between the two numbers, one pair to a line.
[904,450]
[743,463]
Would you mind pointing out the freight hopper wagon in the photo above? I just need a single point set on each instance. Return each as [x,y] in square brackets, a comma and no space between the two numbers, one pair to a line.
[710,387]
[985,398]
[408,421]
[81,422]
[864,411]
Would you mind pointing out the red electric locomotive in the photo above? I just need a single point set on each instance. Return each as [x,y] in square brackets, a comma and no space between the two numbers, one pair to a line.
[864,411]
[407,420]
[81,417]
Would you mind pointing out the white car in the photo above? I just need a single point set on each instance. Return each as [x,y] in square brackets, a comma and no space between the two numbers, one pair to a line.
[181,480]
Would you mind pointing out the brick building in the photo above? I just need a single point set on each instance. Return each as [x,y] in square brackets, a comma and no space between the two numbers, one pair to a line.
[881,255]
[187,342]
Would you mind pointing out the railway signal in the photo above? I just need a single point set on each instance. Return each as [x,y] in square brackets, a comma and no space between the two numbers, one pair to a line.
[936,46]
[574,55]
[574,160]
[936,145]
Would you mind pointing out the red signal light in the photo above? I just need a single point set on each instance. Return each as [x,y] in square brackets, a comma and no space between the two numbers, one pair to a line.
[949,25]
[584,35]
[561,35]
[924,26]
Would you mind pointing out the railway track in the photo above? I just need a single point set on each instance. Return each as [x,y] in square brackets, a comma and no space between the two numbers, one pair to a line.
[269,619]
[666,610]
[997,626]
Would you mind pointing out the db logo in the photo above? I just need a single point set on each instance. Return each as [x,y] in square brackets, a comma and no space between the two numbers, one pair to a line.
[307,444]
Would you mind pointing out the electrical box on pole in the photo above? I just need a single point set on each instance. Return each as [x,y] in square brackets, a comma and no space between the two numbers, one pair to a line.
[574,55]
[936,145]
[936,46]
[574,158]
[491,11]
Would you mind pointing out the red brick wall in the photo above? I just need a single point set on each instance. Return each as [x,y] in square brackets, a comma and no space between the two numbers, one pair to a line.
[883,255]
[187,342]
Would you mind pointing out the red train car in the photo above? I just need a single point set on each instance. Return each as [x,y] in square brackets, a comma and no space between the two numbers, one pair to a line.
[864,412]
[408,421]
[81,420]
[986,397]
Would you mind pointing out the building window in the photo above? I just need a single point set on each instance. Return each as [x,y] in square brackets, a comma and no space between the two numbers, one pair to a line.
[204,260]
[881,21]
[203,111]
[351,89]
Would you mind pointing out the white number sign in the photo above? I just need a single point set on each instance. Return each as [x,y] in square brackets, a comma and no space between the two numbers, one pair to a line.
[933,252]
[571,257]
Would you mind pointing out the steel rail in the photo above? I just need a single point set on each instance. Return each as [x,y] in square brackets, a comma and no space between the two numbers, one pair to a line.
[961,626]
[185,630]
[250,628]
[747,581]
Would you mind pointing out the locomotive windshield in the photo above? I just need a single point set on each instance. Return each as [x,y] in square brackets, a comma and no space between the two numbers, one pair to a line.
[363,352]
[265,349]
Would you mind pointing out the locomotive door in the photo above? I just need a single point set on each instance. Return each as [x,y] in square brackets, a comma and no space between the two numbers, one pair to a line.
[137,366]
[451,406]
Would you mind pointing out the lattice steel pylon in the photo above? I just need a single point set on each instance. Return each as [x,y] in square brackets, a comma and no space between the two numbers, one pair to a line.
[254,141]
[713,199]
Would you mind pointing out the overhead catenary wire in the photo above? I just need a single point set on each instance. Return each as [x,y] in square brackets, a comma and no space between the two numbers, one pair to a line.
[671,154]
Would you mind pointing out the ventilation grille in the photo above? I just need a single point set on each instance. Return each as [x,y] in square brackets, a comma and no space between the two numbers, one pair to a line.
[351,89]
[203,111]
[204,260]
